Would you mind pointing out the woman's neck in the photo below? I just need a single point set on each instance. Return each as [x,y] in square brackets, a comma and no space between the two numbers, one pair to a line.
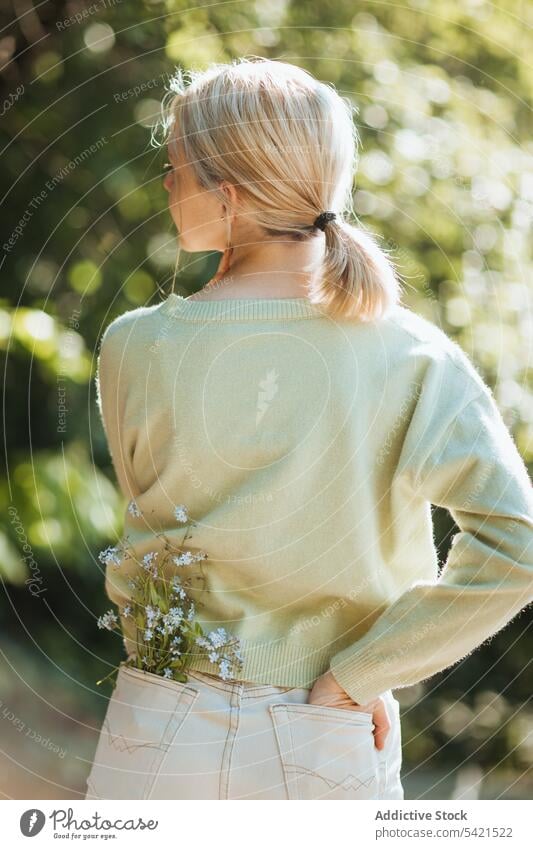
[267,270]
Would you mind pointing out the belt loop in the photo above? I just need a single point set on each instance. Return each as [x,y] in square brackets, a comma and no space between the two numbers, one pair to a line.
[235,699]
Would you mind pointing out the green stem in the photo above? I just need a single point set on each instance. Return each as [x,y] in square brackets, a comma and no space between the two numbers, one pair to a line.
[107,676]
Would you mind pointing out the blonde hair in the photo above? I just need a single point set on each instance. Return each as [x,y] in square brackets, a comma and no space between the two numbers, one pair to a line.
[289,144]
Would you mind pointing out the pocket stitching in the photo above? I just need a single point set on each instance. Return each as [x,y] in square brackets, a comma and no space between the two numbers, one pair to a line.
[162,745]
[141,675]
[300,769]
[289,765]
[287,756]
[355,717]
[155,768]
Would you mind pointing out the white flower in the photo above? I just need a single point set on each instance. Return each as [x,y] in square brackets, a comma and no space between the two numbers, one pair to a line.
[188,557]
[167,673]
[174,616]
[152,614]
[148,634]
[126,611]
[180,513]
[111,554]
[218,637]
[133,510]
[174,646]
[148,558]
[149,562]
[107,620]
[177,588]
[172,620]
[213,656]
[224,668]
[184,559]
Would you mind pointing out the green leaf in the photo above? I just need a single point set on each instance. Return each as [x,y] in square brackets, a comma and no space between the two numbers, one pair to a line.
[153,595]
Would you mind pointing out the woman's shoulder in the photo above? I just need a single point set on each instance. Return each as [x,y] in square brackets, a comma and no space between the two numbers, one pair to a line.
[412,325]
[132,323]
[417,336]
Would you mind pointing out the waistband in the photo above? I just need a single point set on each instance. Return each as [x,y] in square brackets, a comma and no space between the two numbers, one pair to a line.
[230,685]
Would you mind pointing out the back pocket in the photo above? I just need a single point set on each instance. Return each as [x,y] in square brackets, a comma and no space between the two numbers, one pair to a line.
[144,715]
[326,752]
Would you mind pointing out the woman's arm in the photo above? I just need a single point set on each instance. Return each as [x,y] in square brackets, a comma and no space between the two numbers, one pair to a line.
[473,468]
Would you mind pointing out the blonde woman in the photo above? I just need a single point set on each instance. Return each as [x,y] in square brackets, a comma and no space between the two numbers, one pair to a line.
[306,420]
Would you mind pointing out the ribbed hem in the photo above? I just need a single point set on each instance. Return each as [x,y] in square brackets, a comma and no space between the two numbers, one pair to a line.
[240,309]
[279,664]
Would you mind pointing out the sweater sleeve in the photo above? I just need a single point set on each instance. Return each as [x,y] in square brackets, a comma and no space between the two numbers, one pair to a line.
[474,470]
[111,398]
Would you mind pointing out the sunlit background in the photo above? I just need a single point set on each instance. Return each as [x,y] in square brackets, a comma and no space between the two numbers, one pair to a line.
[445,180]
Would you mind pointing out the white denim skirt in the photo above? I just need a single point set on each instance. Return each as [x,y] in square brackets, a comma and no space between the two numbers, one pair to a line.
[215,739]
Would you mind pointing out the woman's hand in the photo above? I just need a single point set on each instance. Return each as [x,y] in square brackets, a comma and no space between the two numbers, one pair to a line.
[326,691]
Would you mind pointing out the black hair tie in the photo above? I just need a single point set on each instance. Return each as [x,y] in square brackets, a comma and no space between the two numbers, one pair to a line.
[323,219]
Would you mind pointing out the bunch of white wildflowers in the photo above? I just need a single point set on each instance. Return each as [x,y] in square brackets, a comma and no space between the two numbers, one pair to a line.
[222,649]
[163,611]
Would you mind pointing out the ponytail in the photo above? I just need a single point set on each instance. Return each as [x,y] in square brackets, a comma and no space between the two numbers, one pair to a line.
[358,279]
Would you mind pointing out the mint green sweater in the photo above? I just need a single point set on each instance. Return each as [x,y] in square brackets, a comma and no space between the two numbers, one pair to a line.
[308,450]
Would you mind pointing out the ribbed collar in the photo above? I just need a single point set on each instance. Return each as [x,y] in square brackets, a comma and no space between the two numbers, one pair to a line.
[240,308]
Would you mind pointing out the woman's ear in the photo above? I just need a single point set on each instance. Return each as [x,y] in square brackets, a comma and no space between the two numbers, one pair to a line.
[231,195]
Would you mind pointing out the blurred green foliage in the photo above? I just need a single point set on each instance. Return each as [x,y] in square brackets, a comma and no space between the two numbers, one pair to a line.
[443,92]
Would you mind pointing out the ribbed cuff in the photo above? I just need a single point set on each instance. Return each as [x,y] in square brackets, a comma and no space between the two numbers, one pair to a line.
[357,672]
